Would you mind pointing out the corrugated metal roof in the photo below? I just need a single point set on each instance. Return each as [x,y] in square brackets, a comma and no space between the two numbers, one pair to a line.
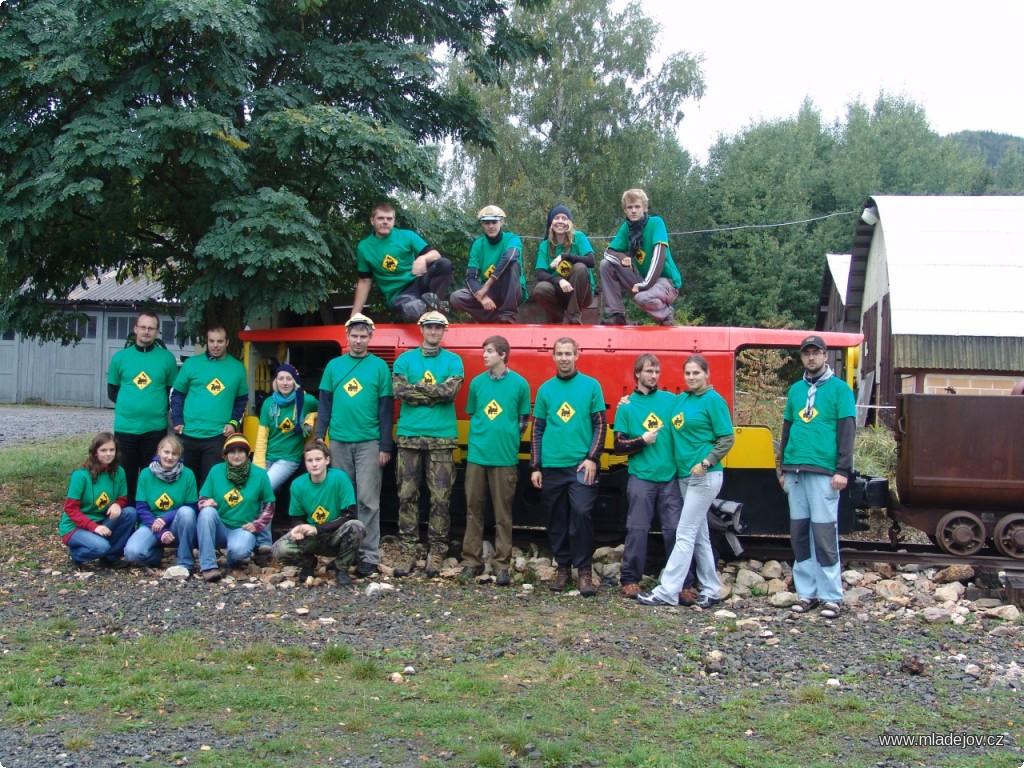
[991,354]
[106,290]
[955,264]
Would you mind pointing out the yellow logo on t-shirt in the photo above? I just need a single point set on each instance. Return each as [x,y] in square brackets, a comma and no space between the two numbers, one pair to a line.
[489,271]
[286,426]
[653,422]
[678,421]
[566,412]
[142,380]
[805,418]
[215,387]
[234,497]
[428,378]
[320,515]
[564,268]
[164,503]
[641,256]
[353,387]
[102,501]
[492,410]
[390,263]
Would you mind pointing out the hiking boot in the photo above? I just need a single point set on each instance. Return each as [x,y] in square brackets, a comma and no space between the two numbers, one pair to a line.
[365,569]
[470,572]
[211,575]
[616,319]
[561,581]
[585,581]
[406,565]
[434,559]
[504,578]
[688,597]
[631,590]
[116,564]
[306,572]
[574,319]
[436,303]
[342,579]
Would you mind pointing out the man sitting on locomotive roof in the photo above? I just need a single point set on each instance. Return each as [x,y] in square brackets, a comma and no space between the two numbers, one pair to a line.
[497,259]
[639,260]
[412,276]
[816,453]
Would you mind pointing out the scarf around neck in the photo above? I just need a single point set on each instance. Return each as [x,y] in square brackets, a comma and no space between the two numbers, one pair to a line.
[167,475]
[279,401]
[239,476]
[636,234]
[813,390]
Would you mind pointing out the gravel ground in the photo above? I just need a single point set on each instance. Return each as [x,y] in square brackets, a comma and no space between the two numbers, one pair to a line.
[878,645]
[21,423]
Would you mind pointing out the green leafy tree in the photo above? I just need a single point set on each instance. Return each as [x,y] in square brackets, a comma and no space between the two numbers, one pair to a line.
[229,148]
[585,121]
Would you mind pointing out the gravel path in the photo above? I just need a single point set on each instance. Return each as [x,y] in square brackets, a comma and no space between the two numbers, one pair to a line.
[20,423]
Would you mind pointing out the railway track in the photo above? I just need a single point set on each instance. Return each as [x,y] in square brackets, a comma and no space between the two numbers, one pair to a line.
[778,548]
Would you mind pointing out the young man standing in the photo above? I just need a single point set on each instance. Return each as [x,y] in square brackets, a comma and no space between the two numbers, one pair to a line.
[138,381]
[639,260]
[568,436]
[652,488]
[412,276]
[426,380]
[816,449]
[499,409]
[208,402]
[357,406]
[497,259]
[323,512]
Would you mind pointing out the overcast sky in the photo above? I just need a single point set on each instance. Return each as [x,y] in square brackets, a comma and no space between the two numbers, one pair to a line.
[961,61]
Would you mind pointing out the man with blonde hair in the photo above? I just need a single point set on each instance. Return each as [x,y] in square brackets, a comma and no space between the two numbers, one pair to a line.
[639,260]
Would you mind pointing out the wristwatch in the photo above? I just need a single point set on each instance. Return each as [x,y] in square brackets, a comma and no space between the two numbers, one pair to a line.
[706,464]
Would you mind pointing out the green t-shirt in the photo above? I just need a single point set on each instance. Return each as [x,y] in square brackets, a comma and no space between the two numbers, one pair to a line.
[356,385]
[143,378]
[485,257]
[567,406]
[580,247]
[163,496]
[237,506]
[285,438]
[494,408]
[655,232]
[697,422]
[812,441]
[437,420]
[389,259]
[320,503]
[210,388]
[95,497]
[654,462]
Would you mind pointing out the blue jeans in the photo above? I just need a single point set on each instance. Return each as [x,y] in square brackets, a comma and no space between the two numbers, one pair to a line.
[212,533]
[145,548]
[814,534]
[86,546]
[278,470]
[361,462]
[692,538]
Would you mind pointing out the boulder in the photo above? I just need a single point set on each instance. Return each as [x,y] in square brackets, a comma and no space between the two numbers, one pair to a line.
[949,592]
[954,573]
[772,570]
[890,588]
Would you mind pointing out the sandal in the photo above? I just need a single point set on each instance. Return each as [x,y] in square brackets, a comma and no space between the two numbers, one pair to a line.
[806,605]
[831,610]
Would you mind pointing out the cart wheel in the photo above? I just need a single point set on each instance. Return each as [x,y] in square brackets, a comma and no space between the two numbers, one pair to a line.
[1009,536]
[960,533]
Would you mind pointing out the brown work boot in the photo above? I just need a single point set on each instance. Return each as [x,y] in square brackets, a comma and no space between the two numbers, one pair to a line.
[561,581]
[585,581]
[435,557]
[406,564]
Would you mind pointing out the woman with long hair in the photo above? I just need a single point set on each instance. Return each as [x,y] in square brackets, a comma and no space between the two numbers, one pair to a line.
[97,520]
[565,269]
[702,433]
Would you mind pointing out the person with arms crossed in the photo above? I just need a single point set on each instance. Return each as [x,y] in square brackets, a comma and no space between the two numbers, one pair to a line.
[426,380]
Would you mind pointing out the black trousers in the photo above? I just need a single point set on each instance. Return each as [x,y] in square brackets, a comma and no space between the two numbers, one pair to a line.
[137,451]
[201,454]
[569,504]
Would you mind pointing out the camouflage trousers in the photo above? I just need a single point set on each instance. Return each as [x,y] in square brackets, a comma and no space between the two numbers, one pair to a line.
[342,544]
[439,467]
